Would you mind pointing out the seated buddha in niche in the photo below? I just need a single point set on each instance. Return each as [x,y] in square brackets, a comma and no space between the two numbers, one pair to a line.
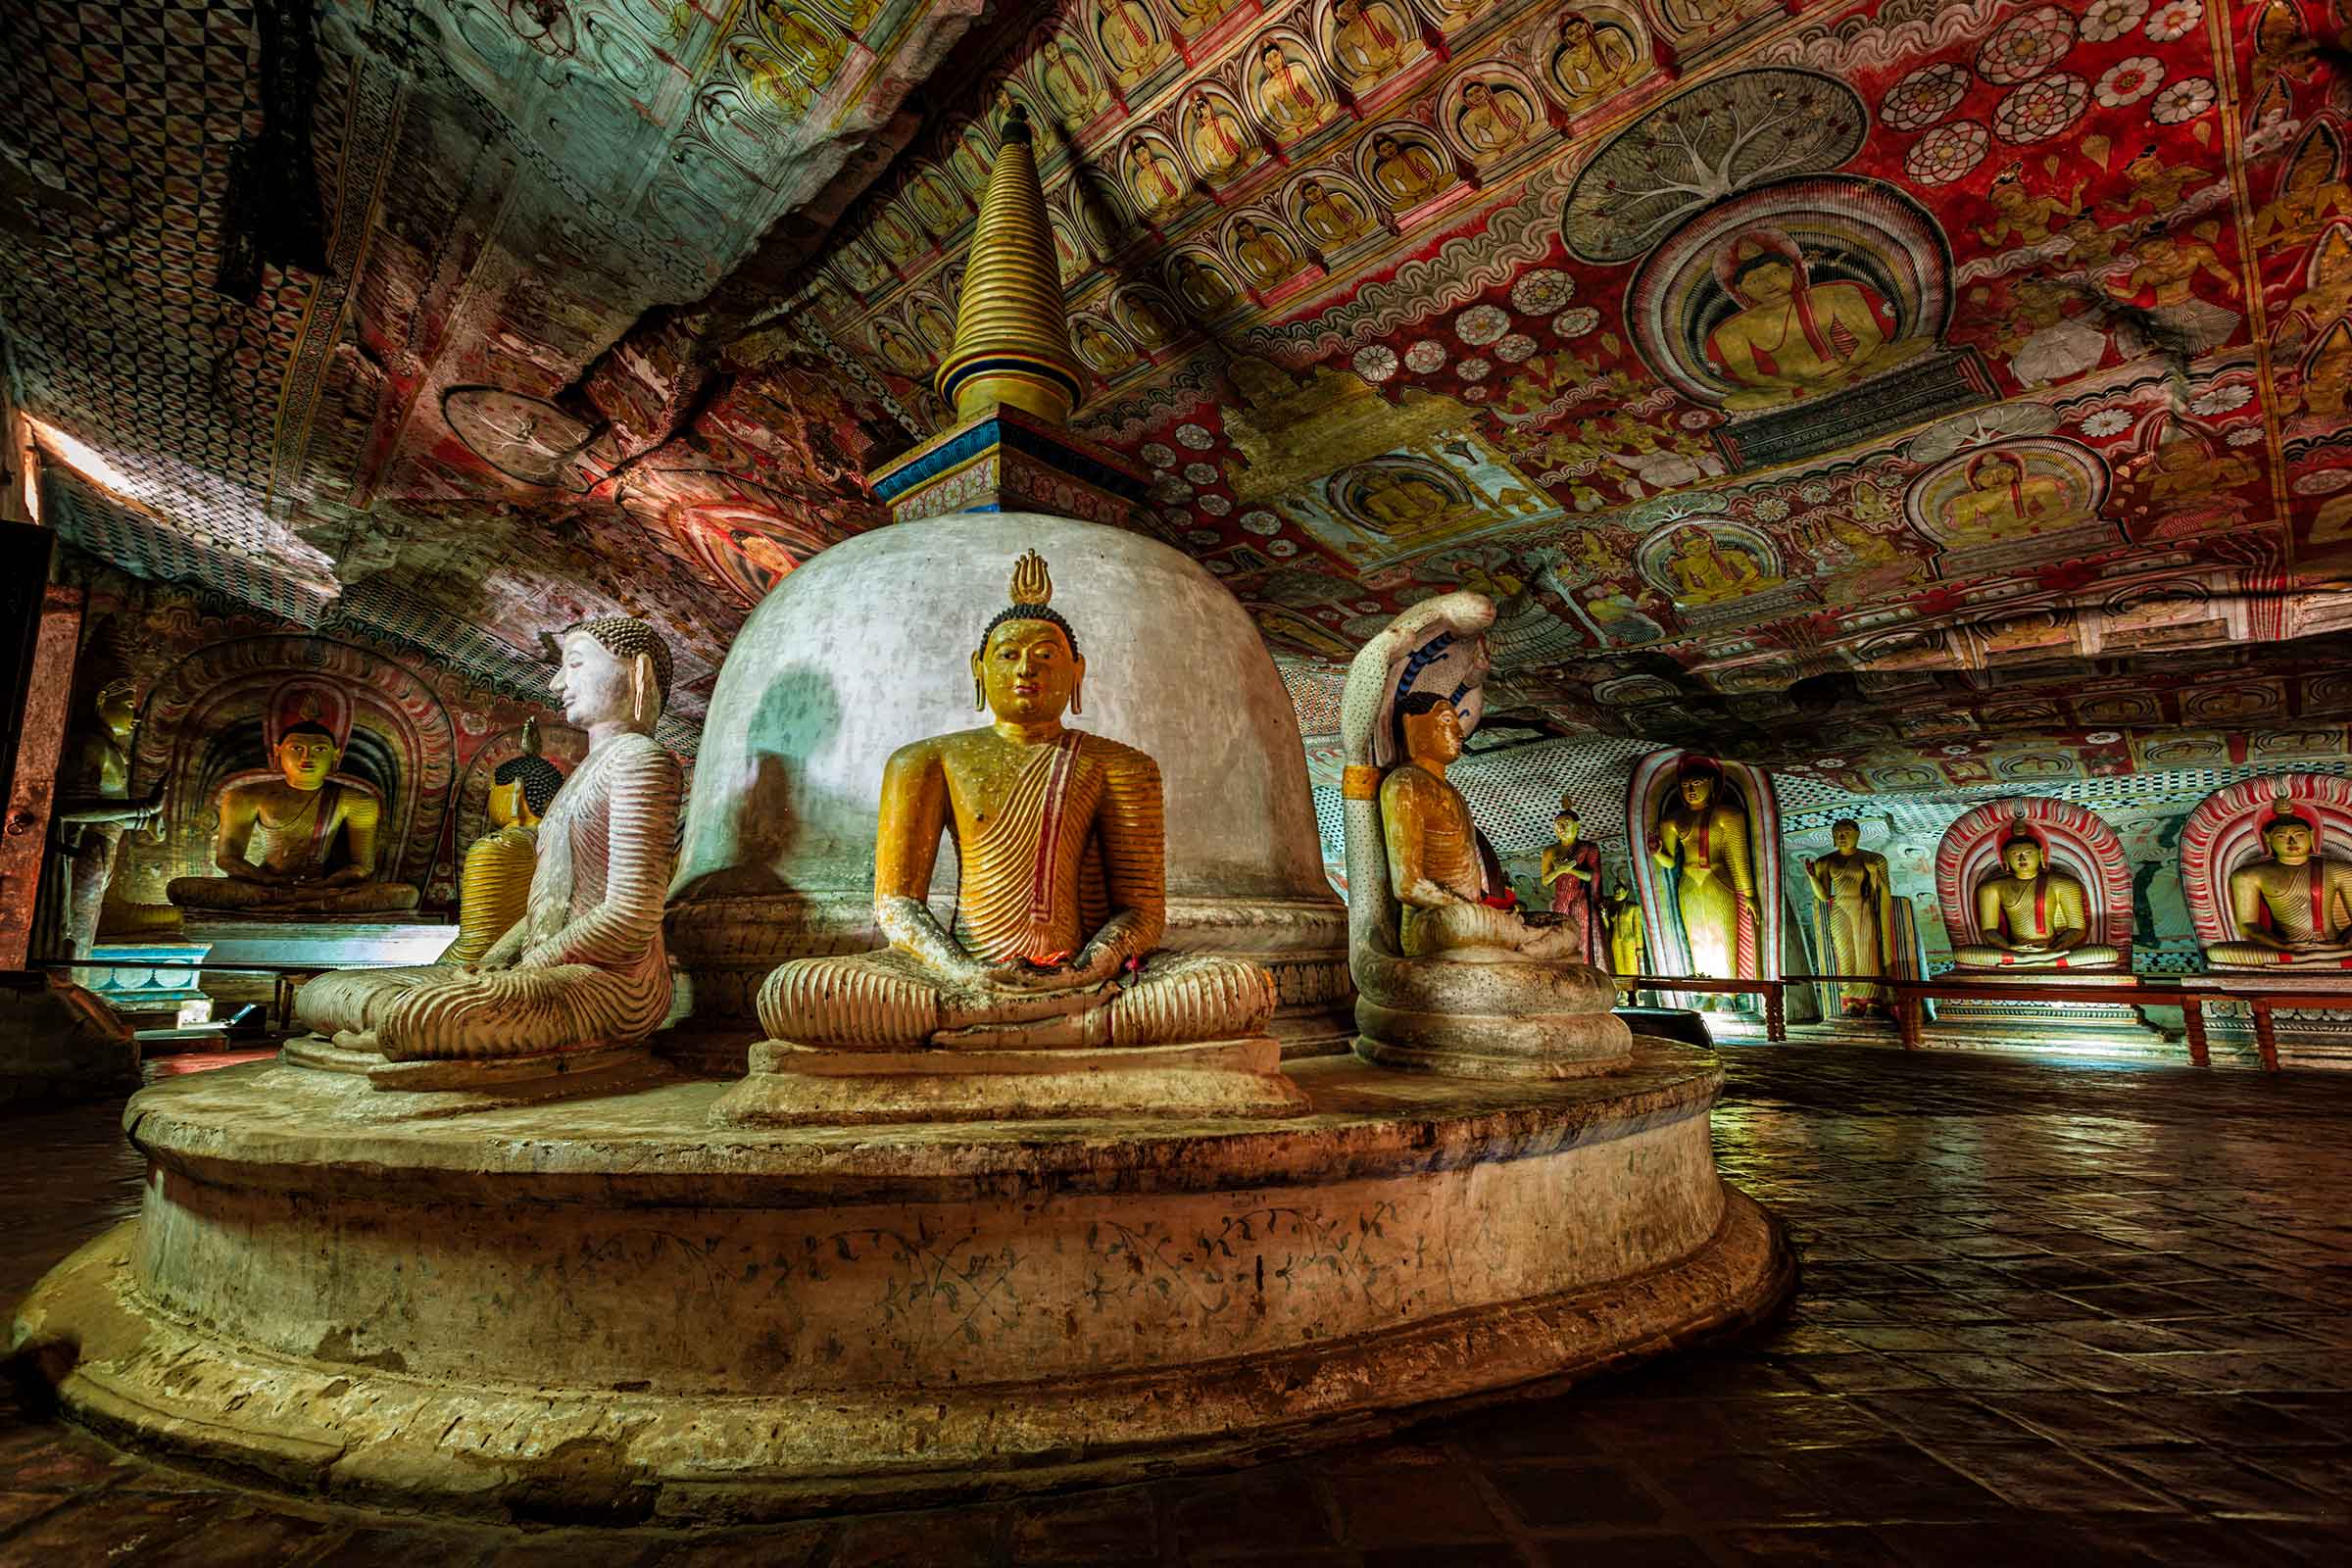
[1061,895]
[302,843]
[2293,906]
[585,965]
[2031,915]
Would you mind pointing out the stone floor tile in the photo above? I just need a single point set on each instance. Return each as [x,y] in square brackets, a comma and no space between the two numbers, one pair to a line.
[101,1528]
[1271,1510]
[1598,1496]
[1739,1489]
[2088,1422]
[1818,1543]
[1412,1506]
[2047,1478]
[1089,1527]
[2216,1483]
[1622,1552]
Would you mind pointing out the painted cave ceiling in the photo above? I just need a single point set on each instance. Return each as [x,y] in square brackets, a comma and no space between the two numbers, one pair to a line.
[1914,394]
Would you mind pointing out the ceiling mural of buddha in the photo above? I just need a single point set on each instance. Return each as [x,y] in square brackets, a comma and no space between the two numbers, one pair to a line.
[1919,360]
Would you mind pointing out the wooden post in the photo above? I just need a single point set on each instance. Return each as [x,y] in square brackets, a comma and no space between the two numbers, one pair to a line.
[2193,1018]
[1775,1020]
[2265,1037]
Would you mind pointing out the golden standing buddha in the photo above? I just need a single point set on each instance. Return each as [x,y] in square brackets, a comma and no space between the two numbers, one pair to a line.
[1702,835]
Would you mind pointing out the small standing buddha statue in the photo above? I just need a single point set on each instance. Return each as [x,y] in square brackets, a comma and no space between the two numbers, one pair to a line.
[2032,915]
[1061,903]
[495,890]
[303,843]
[1434,867]
[1702,834]
[584,969]
[2292,907]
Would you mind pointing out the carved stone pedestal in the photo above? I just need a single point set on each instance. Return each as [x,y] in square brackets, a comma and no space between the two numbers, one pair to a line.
[608,1308]
[795,1086]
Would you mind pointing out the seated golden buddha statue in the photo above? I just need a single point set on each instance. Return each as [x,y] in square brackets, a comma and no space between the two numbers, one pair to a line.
[585,966]
[303,843]
[2293,907]
[1450,977]
[2031,915]
[495,890]
[1434,865]
[1060,903]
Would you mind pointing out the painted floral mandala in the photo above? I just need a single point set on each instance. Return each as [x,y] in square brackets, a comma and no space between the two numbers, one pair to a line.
[2105,423]
[1424,356]
[1947,152]
[2112,19]
[2130,81]
[2182,100]
[2041,110]
[2323,482]
[1481,324]
[1263,523]
[1541,291]
[1216,505]
[2026,46]
[1377,362]
[1576,320]
[1924,97]
[1511,350]
[1282,548]
[1194,437]
[1200,474]
[1472,369]
[1159,456]
[2174,19]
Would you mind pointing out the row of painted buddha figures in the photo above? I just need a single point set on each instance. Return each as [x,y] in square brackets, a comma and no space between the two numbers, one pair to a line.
[1055,942]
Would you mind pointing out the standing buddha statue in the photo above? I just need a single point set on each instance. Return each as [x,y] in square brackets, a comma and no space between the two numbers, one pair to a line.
[495,890]
[79,904]
[303,843]
[2293,907]
[1571,870]
[1856,913]
[1061,903]
[1701,833]
[1626,955]
[585,966]
[2032,915]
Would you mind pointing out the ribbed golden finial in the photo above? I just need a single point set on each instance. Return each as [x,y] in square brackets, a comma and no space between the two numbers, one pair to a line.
[530,735]
[1012,339]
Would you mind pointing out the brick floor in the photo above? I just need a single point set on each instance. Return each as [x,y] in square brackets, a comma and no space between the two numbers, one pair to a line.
[2051,1313]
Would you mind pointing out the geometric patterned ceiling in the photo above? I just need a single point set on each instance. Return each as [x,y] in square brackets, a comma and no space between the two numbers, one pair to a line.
[1859,387]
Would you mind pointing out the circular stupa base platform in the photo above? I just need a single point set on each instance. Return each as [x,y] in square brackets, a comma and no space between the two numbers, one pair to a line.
[608,1308]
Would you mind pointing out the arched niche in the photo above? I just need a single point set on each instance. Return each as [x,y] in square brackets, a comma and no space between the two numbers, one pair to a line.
[2224,833]
[1654,781]
[213,717]
[2072,839]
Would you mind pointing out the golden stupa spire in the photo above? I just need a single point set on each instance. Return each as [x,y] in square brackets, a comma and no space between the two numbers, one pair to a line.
[1012,339]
